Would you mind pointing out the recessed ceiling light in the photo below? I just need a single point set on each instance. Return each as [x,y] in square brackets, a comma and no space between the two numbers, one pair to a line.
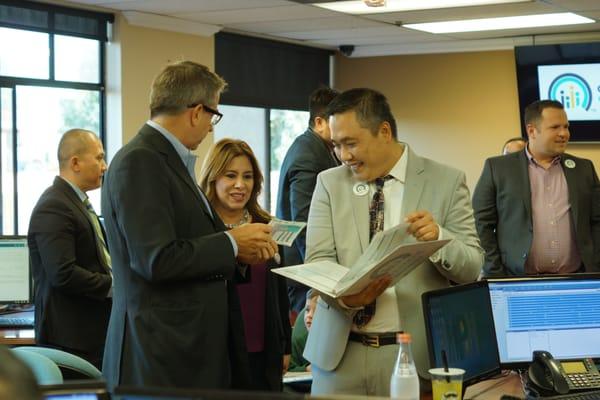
[491,24]
[359,6]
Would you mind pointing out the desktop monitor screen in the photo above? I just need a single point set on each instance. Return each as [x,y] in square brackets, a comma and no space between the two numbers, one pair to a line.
[458,320]
[559,314]
[15,276]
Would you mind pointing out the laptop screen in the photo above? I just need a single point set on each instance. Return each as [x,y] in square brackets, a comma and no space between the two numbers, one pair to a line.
[459,321]
[559,314]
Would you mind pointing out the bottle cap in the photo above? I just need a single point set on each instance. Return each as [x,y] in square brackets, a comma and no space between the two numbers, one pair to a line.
[403,337]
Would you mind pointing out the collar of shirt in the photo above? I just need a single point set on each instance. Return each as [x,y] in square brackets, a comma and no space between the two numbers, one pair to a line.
[398,171]
[78,191]
[188,159]
[555,160]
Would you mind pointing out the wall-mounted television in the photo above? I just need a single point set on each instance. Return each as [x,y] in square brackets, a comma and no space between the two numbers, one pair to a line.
[569,73]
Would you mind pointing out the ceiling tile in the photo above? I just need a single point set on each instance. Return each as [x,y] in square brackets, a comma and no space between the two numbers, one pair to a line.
[348,22]
[190,6]
[259,14]
[578,5]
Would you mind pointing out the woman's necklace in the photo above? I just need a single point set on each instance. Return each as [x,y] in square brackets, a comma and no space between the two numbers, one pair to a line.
[245,219]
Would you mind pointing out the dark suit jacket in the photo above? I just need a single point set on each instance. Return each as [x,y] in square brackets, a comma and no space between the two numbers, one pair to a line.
[176,318]
[502,205]
[307,156]
[71,277]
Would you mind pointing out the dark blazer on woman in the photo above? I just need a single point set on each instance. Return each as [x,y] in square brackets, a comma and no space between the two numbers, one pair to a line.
[71,277]
[278,331]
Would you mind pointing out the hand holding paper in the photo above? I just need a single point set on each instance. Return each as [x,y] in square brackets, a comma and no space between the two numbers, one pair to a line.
[386,255]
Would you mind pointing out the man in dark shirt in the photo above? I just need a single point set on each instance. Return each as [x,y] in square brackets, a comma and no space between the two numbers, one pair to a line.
[311,153]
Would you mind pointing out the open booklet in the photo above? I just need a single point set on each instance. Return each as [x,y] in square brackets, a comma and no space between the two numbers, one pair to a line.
[386,254]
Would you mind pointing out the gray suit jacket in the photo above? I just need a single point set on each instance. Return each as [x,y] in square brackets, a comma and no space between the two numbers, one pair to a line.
[502,203]
[338,230]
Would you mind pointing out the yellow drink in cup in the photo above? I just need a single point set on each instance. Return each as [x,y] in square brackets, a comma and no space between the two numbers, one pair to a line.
[446,385]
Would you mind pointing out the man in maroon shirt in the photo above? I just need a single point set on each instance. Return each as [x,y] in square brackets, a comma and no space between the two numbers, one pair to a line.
[537,210]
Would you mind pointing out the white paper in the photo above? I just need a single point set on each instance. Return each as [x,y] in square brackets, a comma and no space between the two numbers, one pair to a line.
[285,232]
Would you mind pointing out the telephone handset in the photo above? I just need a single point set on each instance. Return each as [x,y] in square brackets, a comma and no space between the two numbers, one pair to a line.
[553,376]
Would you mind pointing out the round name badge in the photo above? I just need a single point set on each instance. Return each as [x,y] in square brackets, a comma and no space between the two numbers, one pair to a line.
[569,163]
[361,188]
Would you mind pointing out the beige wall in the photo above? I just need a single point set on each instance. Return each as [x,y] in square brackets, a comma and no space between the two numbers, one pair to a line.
[455,108]
[143,54]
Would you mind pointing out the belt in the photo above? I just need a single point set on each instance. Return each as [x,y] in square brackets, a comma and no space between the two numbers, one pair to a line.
[374,340]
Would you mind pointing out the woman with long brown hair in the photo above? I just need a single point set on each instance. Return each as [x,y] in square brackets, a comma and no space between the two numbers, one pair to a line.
[232,181]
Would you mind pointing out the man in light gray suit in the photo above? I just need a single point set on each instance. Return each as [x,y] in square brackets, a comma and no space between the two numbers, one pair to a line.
[352,354]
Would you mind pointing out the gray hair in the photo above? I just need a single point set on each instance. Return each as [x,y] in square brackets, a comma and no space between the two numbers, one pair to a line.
[181,85]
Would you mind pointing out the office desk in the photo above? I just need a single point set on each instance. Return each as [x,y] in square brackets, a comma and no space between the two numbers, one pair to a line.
[493,389]
[17,337]
[11,336]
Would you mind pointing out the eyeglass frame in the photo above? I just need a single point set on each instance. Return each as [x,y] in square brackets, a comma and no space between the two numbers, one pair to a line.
[217,116]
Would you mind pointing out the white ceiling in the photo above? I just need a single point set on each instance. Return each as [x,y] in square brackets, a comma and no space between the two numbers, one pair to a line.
[372,35]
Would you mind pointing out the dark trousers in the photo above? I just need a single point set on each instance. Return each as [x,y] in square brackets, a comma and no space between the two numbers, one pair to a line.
[258,368]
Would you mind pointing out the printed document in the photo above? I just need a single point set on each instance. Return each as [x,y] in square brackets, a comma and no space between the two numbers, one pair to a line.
[386,254]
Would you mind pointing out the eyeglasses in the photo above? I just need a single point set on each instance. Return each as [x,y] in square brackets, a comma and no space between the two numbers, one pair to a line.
[216,116]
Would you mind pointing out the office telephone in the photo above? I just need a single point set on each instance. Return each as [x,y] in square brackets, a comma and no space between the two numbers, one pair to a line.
[553,376]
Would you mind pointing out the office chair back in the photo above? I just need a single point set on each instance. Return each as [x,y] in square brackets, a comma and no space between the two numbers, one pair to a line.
[71,366]
[46,372]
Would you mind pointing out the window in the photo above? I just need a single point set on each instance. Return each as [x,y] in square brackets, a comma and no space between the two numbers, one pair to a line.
[269,132]
[51,80]
[264,101]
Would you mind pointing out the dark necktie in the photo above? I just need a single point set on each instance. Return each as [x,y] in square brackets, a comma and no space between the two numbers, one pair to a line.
[362,317]
[98,230]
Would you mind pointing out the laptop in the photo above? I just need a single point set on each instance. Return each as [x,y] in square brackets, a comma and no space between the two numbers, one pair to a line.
[458,321]
[558,313]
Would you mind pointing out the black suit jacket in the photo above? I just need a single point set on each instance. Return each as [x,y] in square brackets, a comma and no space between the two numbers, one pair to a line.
[502,205]
[307,156]
[71,277]
[176,318]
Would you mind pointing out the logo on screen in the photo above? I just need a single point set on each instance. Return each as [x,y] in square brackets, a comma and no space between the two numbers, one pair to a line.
[571,90]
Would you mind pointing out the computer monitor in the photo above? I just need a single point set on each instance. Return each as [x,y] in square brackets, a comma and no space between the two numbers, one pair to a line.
[153,393]
[77,390]
[559,314]
[458,321]
[15,275]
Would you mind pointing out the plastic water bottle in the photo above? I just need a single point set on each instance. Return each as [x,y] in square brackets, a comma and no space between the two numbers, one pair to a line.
[404,384]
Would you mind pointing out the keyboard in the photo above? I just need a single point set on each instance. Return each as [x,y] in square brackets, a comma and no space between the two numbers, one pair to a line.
[591,395]
[8,321]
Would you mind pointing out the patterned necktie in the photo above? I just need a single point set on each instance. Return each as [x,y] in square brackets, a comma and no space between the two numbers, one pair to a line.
[362,317]
[98,230]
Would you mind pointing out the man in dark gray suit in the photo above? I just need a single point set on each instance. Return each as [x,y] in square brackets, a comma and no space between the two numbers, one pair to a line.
[68,254]
[176,320]
[537,210]
[311,153]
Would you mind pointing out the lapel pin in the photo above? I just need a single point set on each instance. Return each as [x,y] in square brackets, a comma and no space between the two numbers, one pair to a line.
[569,163]
[361,188]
